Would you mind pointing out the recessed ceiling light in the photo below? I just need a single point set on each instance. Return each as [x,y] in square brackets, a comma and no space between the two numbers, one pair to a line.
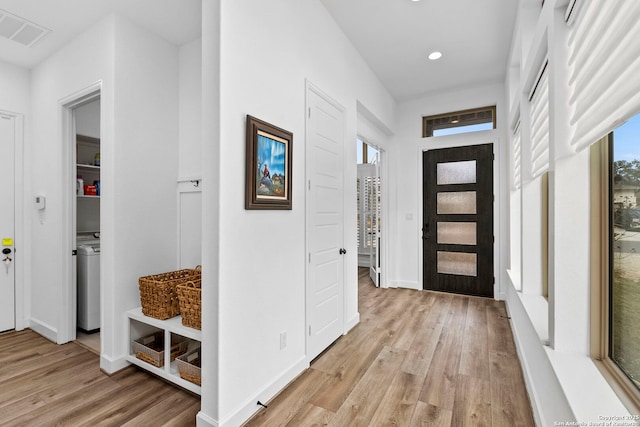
[435,55]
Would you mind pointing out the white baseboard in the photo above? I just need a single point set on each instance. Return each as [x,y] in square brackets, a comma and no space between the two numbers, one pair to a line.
[111,366]
[406,285]
[203,420]
[351,323]
[250,407]
[47,331]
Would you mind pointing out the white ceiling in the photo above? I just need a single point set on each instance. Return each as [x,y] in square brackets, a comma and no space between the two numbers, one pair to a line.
[177,21]
[395,37]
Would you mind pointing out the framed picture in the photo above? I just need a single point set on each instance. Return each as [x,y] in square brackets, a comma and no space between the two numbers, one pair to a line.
[269,159]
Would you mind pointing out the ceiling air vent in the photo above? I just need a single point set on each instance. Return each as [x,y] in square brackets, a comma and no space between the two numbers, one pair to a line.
[20,30]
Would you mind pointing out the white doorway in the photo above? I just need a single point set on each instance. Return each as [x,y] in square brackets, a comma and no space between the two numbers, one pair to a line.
[87,214]
[7,223]
[69,296]
[369,204]
[325,221]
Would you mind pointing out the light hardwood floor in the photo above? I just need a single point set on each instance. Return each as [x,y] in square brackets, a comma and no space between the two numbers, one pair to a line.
[415,359]
[45,384]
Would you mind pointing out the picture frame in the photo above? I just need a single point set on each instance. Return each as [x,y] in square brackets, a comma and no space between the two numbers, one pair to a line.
[268,166]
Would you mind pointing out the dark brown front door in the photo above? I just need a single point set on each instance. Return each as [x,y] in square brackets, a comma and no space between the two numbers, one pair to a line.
[458,220]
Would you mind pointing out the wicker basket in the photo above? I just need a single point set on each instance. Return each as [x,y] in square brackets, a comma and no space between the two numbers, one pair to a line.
[151,348]
[189,366]
[158,295]
[190,301]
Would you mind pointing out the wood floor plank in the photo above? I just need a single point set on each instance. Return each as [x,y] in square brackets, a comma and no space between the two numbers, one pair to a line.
[312,416]
[426,415]
[362,403]
[509,395]
[439,388]
[345,377]
[40,378]
[49,384]
[22,362]
[399,403]
[42,394]
[287,404]
[472,405]
[499,334]
[474,360]
[427,337]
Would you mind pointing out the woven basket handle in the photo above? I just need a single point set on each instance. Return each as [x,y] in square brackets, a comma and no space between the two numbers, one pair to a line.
[198,267]
[191,285]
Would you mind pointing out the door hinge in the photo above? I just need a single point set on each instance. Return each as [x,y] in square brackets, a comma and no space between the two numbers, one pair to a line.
[494,280]
[309,112]
[309,330]
[309,185]
[309,257]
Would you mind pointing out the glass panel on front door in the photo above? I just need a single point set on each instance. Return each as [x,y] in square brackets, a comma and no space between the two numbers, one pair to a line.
[457,233]
[456,173]
[459,202]
[459,263]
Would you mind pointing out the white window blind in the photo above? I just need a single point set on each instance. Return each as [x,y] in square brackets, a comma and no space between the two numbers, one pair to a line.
[540,125]
[604,61]
[517,156]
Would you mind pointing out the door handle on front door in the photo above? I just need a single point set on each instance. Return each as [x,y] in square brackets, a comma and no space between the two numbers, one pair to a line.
[343,251]
[425,231]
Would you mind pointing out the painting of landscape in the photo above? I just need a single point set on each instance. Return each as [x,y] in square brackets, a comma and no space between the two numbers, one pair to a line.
[271,167]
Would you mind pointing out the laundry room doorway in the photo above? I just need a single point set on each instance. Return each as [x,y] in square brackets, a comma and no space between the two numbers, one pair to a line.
[87,121]
[80,303]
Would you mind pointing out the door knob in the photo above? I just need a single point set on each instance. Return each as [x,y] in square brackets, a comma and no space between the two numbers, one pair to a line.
[343,251]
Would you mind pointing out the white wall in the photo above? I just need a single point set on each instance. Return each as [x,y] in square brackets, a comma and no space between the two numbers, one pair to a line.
[405,157]
[142,233]
[190,155]
[268,51]
[83,62]
[139,134]
[190,110]
[14,87]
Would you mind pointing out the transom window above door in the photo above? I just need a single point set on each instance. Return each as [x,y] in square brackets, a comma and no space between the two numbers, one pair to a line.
[465,121]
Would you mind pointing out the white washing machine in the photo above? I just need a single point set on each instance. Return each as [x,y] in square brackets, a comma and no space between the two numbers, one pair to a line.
[89,286]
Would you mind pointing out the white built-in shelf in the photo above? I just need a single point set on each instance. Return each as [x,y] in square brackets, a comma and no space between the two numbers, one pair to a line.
[169,326]
[83,196]
[89,167]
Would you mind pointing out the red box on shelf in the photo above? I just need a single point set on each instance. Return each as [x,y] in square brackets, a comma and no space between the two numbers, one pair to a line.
[90,190]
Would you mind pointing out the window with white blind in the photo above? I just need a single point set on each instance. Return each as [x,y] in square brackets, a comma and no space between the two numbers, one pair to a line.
[516,147]
[604,63]
[539,100]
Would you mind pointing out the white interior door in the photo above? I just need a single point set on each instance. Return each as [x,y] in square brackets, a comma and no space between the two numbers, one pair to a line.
[325,223]
[7,223]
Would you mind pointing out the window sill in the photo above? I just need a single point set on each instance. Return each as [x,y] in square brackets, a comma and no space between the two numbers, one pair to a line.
[537,308]
[589,395]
